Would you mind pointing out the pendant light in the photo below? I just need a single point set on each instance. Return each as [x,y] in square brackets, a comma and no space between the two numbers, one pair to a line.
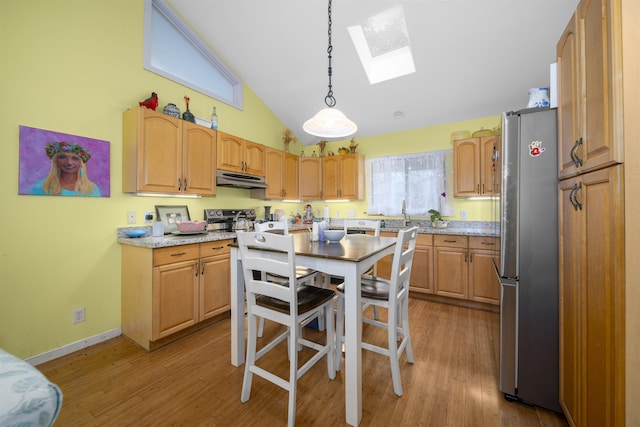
[330,122]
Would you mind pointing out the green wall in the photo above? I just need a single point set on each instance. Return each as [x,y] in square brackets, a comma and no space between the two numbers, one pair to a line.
[74,66]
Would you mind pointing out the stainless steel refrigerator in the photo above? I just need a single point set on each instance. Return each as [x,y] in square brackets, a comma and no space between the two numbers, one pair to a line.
[527,264]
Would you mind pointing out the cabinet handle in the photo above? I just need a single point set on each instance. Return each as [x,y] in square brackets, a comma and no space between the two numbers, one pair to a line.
[202,272]
[575,196]
[577,156]
[179,254]
[478,190]
[573,153]
[465,256]
[482,188]
[449,241]
[488,243]
[217,248]
[470,258]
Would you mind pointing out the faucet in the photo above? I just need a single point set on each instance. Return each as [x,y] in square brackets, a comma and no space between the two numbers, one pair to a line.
[405,218]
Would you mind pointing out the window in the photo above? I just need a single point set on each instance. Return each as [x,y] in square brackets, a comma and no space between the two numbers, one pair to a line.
[174,51]
[418,179]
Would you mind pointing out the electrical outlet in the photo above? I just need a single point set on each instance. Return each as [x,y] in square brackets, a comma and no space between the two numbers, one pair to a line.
[338,213]
[463,214]
[78,315]
[148,217]
[351,213]
[131,217]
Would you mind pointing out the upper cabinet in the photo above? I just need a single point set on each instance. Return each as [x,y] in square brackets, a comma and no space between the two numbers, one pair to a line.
[343,177]
[589,65]
[310,178]
[239,155]
[163,154]
[474,167]
[281,175]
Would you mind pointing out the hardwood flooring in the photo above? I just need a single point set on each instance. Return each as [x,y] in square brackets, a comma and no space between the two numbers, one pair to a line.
[453,381]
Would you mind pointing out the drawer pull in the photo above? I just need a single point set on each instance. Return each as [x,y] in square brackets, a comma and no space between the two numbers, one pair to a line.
[179,254]
[488,243]
[450,241]
[217,248]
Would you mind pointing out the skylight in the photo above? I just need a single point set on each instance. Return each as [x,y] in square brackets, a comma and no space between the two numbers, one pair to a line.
[382,43]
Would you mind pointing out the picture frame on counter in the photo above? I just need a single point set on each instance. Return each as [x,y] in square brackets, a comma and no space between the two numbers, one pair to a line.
[170,214]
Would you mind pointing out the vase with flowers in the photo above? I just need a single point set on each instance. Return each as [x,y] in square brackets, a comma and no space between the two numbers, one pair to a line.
[287,138]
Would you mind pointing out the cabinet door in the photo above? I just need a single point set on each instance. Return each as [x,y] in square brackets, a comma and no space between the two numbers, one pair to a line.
[331,177]
[422,267]
[290,179]
[483,282]
[310,173]
[487,165]
[592,296]
[466,167]
[351,179]
[451,268]
[274,174]
[159,153]
[568,108]
[230,152]
[570,302]
[199,145]
[174,298]
[254,158]
[215,278]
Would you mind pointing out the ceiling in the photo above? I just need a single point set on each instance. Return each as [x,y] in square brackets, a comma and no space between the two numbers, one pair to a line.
[473,58]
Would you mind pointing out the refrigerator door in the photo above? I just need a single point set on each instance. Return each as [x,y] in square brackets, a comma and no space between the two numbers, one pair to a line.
[509,337]
[509,236]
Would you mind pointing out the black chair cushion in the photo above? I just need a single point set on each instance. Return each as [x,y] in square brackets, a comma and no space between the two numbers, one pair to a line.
[309,297]
[375,288]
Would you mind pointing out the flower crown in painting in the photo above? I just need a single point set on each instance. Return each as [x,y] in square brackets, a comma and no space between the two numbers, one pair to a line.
[53,148]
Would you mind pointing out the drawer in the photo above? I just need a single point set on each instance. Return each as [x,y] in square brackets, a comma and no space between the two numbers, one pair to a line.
[487,243]
[424,240]
[219,247]
[450,241]
[171,254]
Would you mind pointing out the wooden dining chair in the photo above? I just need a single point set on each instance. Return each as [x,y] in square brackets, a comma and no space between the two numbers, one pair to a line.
[291,305]
[392,294]
[367,225]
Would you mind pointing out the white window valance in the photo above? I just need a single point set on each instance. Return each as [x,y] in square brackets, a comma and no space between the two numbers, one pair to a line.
[418,179]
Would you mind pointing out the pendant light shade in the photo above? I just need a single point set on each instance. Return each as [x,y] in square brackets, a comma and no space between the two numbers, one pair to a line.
[330,122]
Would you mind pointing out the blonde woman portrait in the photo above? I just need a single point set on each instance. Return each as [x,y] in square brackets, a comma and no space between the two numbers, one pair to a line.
[62,167]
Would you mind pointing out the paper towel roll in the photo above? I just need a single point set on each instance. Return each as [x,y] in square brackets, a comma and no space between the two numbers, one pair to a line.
[325,213]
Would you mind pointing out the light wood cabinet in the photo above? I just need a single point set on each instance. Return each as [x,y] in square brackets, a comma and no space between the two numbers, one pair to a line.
[343,177]
[168,290]
[474,166]
[483,281]
[592,298]
[451,266]
[163,154]
[310,178]
[281,175]
[598,61]
[239,155]
[422,267]
[588,66]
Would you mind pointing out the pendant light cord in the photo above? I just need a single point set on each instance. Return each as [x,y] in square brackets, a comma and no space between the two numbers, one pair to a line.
[329,99]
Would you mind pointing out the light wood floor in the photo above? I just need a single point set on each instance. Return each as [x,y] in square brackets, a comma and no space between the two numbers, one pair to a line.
[453,382]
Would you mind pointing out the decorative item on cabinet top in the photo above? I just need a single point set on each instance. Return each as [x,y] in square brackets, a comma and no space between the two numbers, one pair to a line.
[187,115]
[172,110]
[151,102]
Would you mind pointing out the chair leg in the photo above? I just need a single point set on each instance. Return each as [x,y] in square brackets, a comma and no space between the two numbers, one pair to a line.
[405,327]
[251,359]
[294,335]
[260,327]
[339,332]
[331,341]
[393,353]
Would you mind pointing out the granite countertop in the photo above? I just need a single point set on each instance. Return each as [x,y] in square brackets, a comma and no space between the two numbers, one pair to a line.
[458,228]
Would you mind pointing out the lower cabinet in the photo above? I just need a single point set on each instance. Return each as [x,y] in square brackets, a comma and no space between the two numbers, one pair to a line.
[452,266]
[171,289]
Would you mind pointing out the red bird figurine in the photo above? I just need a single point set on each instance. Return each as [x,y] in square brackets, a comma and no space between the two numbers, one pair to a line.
[151,102]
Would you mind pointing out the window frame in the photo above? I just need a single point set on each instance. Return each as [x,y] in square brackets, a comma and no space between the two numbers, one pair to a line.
[192,38]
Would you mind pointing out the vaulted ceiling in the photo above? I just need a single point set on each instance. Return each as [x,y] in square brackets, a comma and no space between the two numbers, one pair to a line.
[473,58]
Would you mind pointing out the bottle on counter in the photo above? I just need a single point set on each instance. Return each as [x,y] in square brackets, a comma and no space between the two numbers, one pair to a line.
[382,224]
[214,119]
[321,229]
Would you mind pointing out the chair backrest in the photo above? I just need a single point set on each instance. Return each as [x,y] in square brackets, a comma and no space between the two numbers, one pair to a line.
[272,226]
[272,254]
[402,261]
[368,224]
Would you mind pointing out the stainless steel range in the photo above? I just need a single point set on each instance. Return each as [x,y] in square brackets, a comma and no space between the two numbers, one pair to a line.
[229,219]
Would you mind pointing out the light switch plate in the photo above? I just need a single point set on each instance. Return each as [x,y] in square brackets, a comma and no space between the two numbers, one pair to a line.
[351,212]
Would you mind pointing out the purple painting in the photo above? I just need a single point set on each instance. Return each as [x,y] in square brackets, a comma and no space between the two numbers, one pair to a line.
[59,164]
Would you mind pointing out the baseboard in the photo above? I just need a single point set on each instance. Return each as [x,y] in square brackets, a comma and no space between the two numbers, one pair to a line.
[74,346]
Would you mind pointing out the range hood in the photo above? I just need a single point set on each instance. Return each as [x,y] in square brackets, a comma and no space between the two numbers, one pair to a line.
[239,180]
